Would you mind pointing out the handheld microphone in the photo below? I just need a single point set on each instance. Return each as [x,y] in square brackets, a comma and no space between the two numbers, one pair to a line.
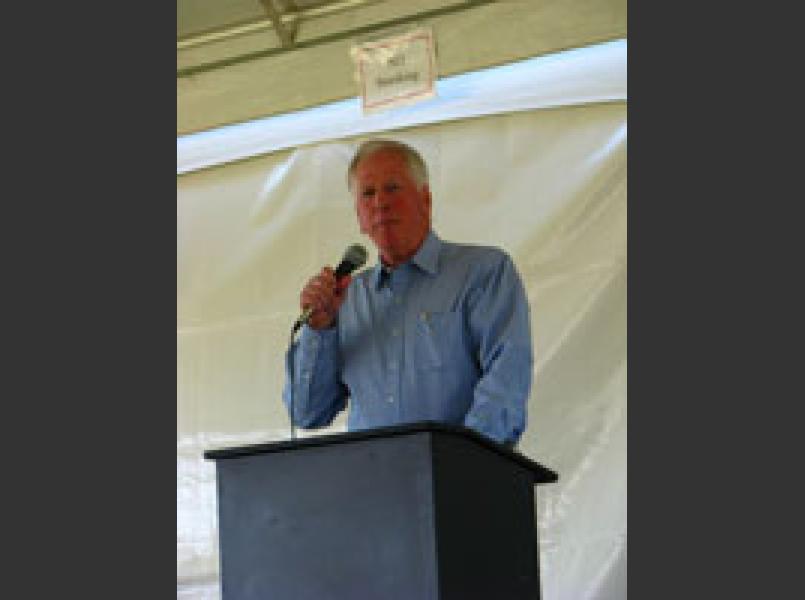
[354,258]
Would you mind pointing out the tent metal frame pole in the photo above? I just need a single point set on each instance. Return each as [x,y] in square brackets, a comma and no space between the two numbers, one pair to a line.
[351,33]
[256,25]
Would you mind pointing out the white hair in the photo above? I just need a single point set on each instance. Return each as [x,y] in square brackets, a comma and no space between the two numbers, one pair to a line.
[416,166]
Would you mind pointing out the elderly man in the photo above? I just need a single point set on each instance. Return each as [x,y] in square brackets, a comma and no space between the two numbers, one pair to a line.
[436,331]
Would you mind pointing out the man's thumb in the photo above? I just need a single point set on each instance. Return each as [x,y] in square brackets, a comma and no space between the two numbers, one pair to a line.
[343,283]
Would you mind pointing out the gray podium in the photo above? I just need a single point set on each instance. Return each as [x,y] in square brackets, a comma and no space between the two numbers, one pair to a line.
[416,512]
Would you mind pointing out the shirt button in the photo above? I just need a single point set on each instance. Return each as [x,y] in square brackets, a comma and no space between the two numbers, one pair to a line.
[397,301]
[395,332]
[390,398]
[393,364]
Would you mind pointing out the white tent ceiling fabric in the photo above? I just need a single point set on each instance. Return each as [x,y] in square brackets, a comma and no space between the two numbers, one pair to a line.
[549,186]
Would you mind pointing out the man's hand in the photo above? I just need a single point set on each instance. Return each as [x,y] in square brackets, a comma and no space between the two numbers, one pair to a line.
[324,294]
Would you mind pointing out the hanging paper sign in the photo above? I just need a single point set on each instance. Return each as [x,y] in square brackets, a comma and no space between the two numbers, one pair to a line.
[397,70]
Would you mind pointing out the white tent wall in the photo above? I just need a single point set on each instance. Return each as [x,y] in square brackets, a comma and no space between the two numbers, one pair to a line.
[548,185]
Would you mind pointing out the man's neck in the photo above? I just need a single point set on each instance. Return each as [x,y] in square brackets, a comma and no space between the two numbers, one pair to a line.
[391,264]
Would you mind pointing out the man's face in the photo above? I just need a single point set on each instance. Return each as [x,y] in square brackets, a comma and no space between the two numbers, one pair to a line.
[391,209]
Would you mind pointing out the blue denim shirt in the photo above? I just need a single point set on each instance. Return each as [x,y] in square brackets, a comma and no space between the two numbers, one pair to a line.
[444,337]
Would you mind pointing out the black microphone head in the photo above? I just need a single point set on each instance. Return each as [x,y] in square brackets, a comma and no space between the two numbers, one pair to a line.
[354,258]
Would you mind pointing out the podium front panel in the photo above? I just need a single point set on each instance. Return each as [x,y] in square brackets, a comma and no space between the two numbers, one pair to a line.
[339,522]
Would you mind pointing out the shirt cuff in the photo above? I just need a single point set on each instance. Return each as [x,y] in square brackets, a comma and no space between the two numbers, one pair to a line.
[318,338]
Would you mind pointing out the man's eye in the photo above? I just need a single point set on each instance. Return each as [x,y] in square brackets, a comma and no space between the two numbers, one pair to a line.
[368,193]
[392,187]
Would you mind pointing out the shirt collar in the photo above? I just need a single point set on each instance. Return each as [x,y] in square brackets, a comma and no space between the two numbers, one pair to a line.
[426,258]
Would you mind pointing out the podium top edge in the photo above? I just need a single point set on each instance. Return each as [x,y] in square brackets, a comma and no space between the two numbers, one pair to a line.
[541,474]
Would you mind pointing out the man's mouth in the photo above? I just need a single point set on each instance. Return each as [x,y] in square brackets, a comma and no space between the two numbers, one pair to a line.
[384,222]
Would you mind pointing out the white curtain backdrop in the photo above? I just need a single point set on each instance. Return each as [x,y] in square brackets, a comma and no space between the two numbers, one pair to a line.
[546,184]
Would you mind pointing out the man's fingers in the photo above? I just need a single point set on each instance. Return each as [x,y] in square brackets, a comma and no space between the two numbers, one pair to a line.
[316,300]
[341,288]
[323,294]
[324,287]
[343,283]
[320,292]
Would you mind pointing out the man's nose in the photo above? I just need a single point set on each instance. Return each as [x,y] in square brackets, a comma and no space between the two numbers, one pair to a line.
[381,199]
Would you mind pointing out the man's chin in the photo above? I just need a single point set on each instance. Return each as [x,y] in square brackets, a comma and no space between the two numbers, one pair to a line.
[383,240]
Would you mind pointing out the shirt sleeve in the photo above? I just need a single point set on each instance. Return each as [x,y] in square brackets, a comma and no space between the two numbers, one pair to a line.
[318,394]
[500,326]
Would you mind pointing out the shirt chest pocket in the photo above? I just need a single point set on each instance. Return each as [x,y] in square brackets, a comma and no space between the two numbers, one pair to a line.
[437,338]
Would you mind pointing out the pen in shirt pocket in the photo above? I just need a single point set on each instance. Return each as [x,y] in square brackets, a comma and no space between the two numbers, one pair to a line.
[425,318]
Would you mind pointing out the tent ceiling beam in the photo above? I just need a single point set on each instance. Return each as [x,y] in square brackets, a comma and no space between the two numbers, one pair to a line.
[286,33]
[334,37]
[285,19]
